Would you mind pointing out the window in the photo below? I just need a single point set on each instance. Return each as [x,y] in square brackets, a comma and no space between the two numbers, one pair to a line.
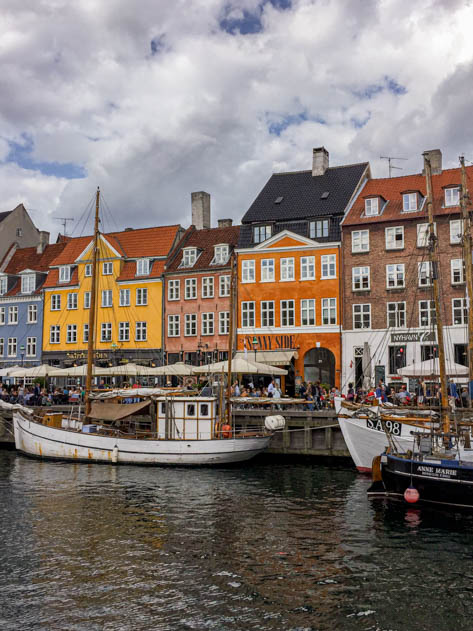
[55,302]
[308,312]
[12,315]
[19,232]
[423,234]
[460,353]
[261,233]
[141,297]
[247,271]
[107,268]
[141,332]
[395,276]
[287,312]
[190,409]
[2,346]
[394,238]
[427,316]
[459,311]
[54,334]
[457,267]
[64,274]
[124,297]
[3,285]
[207,287]
[452,196]
[329,266]
[12,346]
[191,288]
[287,269]
[2,315]
[28,283]
[123,331]
[247,314]
[174,289]
[307,268]
[142,267]
[396,314]
[107,298]
[189,257]
[224,322]
[318,229]
[106,332]
[224,286]
[397,358]
[428,351]
[190,320]
[362,316]
[85,333]
[360,241]
[425,273]
[88,269]
[360,278]
[220,255]
[86,299]
[32,314]
[456,231]
[204,409]
[267,313]
[267,270]
[71,333]
[372,206]
[31,347]
[174,325]
[208,323]
[409,202]
[329,311]
[72,300]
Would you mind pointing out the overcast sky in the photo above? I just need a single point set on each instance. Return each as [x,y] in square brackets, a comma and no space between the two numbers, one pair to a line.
[153,99]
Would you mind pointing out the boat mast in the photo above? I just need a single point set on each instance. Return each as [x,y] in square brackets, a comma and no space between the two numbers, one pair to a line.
[466,241]
[433,257]
[93,293]
[230,338]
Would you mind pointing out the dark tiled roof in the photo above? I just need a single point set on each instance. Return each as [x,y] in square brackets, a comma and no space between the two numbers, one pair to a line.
[298,227]
[4,215]
[205,240]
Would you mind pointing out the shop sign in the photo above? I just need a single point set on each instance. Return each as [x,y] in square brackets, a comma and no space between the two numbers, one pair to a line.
[275,342]
[415,336]
[83,355]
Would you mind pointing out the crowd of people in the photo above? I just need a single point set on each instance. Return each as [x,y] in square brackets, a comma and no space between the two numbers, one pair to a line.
[36,395]
[315,395]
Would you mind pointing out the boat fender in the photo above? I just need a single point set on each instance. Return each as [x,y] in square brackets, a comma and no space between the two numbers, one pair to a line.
[376,469]
[115,454]
[226,431]
[411,495]
[275,422]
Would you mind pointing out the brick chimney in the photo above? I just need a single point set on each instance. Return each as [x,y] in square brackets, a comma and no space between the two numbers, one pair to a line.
[200,209]
[435,157]
[319,161]
[43,241]
[225,223]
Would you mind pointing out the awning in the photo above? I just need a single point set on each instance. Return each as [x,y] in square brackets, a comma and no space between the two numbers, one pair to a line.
[274,358]
[115,411]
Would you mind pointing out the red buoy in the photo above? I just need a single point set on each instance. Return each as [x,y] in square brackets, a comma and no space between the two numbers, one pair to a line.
[411,495]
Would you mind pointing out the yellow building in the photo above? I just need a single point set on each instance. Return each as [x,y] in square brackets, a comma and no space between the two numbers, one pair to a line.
[129,298]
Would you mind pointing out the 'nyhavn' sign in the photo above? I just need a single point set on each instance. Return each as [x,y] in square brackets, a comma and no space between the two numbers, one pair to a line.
[424,336]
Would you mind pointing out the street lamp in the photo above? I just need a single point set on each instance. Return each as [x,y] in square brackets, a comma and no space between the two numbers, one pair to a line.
[255,344]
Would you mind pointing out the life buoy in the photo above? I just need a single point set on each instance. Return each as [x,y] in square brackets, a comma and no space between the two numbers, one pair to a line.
[226,431]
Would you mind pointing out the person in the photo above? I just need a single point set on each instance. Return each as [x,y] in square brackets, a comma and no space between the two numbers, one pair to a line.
[271,388]
[303,390]
[101,384]
[350,393]
[380,392]
[403,395]
[236,389]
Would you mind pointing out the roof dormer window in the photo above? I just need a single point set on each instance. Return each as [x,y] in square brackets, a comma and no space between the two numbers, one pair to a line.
[3,285]
[221,253]
[28,283]
[64,273]
[189,257]
[142,267]
[452,196]
[261,233]
[409,202]
[372,206]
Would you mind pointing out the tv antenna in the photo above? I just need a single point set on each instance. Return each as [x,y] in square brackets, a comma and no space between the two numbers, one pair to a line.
[64,221]
[391,166]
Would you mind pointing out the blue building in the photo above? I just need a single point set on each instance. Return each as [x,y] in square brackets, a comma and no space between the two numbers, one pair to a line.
[22,275]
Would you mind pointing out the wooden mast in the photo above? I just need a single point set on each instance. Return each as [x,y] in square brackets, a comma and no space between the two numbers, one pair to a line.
[435,283]
[230,339]
[467,244]
[92,314]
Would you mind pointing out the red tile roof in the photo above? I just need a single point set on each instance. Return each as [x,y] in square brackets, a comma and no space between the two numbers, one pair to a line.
[27,258]
[392,188]
[129,271]
[205,240]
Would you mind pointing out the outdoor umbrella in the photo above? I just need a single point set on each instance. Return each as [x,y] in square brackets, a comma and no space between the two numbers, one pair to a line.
[430,367]
[34,371]
[74,371]
[243,366]
[6,372]
[178,369]
[127,370]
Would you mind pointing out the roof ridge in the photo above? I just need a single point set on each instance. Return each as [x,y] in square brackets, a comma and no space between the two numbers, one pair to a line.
[338,166]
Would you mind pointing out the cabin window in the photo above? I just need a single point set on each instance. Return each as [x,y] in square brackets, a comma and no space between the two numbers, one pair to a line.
[190,411]
[163,407]
[204,409]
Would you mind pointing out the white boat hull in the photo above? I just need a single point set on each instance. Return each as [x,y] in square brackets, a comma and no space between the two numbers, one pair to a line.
[35,439]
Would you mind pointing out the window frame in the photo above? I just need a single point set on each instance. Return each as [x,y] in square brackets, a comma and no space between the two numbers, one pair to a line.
[450,203]
[286,265]
[32,309]
[208,287]
[105,332]
[174,325]
[307,266]
[248,274]
[207,323]
[396,271]
[398,314]
[124,293]
[248,313]
[71,334]
[287,311]
[308,310]
[106,301]
[409,197]
[463,308]
[28,283]
[190,283]
[143,267]
[358,241]
[268,313]
[267,271]
[190,323]
[124,331]
[358,276]
[362,313]
[371,208]
[141,297]
[174,289]
[55,332]
[393,246]
[224,282]
[107,268]
[223,319]
[72,303]
[456,239]
[327,261]
[329,308]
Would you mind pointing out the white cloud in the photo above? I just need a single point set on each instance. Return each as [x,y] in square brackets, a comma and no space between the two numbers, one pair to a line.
[80,78]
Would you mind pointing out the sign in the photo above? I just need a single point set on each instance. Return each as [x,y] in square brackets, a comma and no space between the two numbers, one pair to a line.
[393,427]
[379,374]
[275,342]
[83,355]
[415,336]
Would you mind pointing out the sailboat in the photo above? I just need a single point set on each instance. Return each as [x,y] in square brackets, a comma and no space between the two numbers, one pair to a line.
[438,469]
[142,426]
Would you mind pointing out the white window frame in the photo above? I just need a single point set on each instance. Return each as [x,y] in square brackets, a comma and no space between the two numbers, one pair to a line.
[32,317]
[55,304]
[107,268]
[2,346]
[71,334]
[247,314]
[360,241]
[174,289]
[107,298]
[224,286]
[398,311]
[174,325]
[267,271]
[329,311]
[12,348]
[261,233]
[456,231]
[268,315]
[124,297]
[392,242]
[3,285]
[87,299]
[457,267]
[221,254]
[224,322]
[142,267]
[3,316]
[141,297]
[287,269]
[207,287]
[424,274]
[124,331]
[12,314]
[207,320]
[423,233]
[307,310]
[372,206]
[85,333]
[190,292]
[141,331]
[452,196]
[28,283]
[64,273]
[189,257]
[359,276]
[396,272]
[88,270]
[430,312]
[328,264]
[288,312]
[361,310]
[54,334]
[190,324]
[410,202]
[462,308]
[307,267]
[319,229]
[106,332]
[31,347]
[72,301]
[248,271]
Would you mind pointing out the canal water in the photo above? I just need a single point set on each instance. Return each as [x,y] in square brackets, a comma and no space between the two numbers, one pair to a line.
[261,547]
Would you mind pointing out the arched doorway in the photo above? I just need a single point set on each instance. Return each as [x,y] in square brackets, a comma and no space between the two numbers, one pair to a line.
[319,365]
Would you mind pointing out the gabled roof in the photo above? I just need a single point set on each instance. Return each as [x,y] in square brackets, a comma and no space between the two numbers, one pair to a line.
[205,241]
[5,214]
[129,271]
[28,259]
[391,189]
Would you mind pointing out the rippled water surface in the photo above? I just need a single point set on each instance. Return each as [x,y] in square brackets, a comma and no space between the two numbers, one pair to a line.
[264,546]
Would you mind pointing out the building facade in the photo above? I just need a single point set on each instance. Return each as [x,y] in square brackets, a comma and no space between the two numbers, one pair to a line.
[18,231]
[387,277]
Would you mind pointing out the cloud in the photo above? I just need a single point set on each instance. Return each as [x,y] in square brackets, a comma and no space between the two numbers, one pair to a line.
[155,103]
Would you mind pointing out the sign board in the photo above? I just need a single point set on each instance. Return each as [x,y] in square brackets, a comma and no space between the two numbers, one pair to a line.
[379,373]
[415,336]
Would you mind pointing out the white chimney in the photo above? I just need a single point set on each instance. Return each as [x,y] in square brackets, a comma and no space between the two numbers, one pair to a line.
[319,161]
[43,241]
[200,209]
[435,158]
[225,223]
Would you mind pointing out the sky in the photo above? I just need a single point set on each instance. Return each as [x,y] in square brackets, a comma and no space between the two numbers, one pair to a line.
[154,99]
